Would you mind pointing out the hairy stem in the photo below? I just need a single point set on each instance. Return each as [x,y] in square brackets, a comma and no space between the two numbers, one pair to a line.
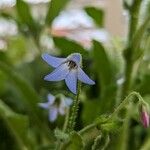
[133,23]
[74,112]
[122,105]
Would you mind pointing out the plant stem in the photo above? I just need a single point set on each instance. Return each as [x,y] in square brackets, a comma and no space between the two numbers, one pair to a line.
[74,112]
[66,121]
[123,103]
[87,128]
[134,15]
[133,23]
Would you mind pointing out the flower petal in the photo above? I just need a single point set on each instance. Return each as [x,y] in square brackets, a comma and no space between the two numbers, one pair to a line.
[68,101]
[53,61]
[62,102]
[84,78]
[58,74]
[71,81]
[76,57]
[50,98]
[62,110]
[53,113]
[44,105]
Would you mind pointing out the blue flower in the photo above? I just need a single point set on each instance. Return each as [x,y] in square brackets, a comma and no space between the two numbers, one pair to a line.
[56,106]
[68,69]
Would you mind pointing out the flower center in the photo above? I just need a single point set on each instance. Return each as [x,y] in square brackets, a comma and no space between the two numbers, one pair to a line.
[72,65]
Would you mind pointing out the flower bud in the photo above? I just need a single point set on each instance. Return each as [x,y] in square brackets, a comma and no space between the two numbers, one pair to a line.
[144,116]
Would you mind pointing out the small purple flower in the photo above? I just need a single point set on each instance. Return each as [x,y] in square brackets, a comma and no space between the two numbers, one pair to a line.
[144,116]
[56,106]
[68,69]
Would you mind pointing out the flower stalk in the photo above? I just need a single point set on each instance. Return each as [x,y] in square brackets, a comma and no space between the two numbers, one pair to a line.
[128,52]
[74,112]
[121,106]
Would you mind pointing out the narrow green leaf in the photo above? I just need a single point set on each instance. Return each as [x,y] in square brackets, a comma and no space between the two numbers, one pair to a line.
[25,18]
[55,7]
[96,14]
[107,83]
[25,88]
[102,64]
[68,46]
[30,97]
[16,124]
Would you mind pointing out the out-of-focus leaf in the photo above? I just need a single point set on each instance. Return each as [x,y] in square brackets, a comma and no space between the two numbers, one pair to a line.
[102,64]
[6,15]
[75,142]
[96,14]
[106,77]
[16,124]
[89,116]
[68,46]
[137,39]
[30,97]
[3,80]
[25,17]
[144,88]
[16,49]
[55,7]
[26,89]
[111,126]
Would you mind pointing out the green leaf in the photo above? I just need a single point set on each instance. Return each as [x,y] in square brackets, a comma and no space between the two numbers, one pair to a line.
[143,87]
[16,49]
[27,91]
[55,7]
[25,17]
[102,64]
[16,124]
[3,80]
[68,46]
[30,97]
[105,76]
[6,15]
[89,116]
[109,125]
[75,142]
[96,14]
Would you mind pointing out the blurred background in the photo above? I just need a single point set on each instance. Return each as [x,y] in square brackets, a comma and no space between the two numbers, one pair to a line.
[98,29]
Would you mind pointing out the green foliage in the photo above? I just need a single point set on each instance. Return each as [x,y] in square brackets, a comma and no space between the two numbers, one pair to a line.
[96,14]
[101,142]
[105,75]
[68,46]
[60,135]
[108,125]
[75,142]
[16,49]
[25,19]
[102,64]
[101,124]
[29,97]
[55,7]
[16,123]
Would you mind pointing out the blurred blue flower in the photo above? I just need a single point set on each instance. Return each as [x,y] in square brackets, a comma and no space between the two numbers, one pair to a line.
[68,69]
[56,106]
